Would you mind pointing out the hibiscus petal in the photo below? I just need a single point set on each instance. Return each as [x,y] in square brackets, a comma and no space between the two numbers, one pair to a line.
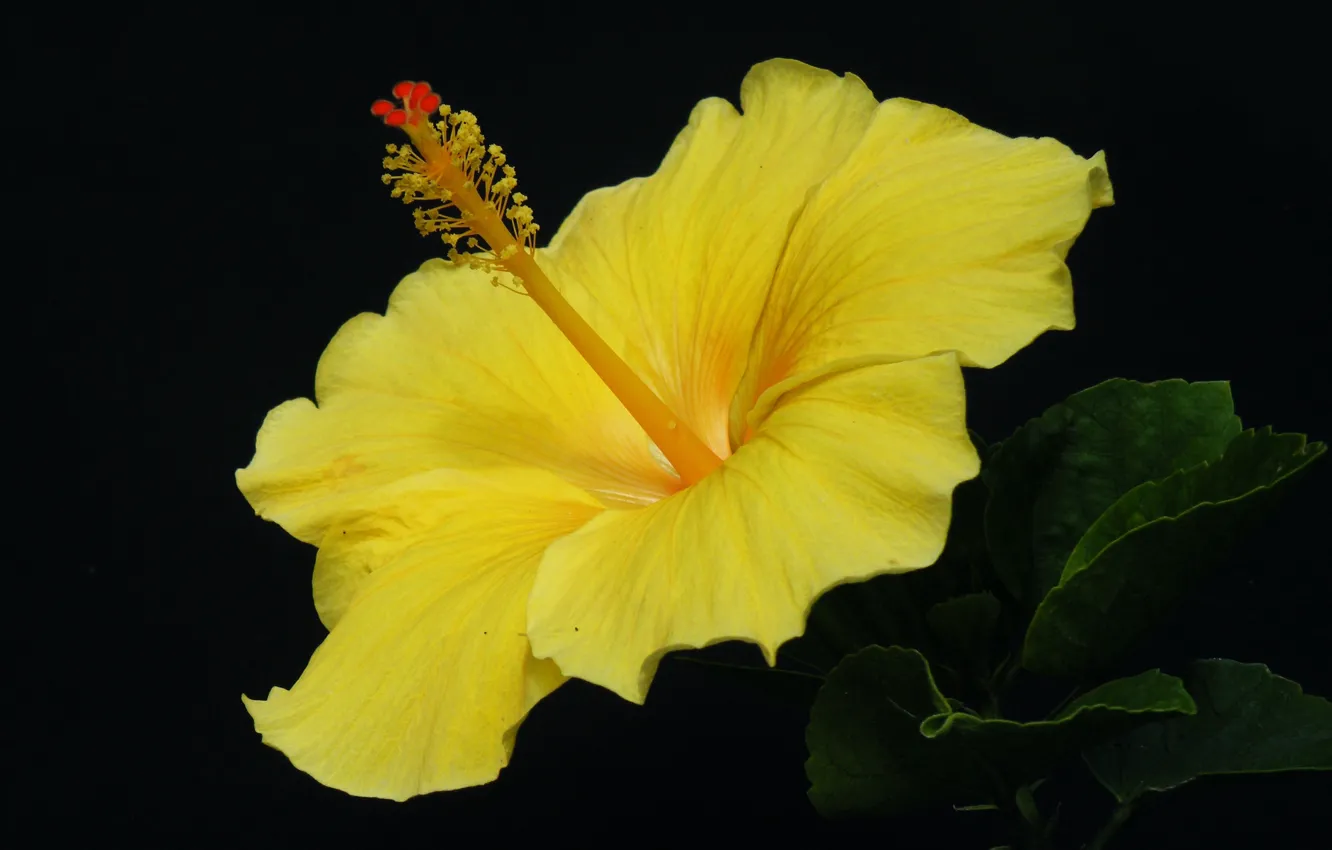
[673,269]
[457,374]
[934,234]
[426,674]
[849,476]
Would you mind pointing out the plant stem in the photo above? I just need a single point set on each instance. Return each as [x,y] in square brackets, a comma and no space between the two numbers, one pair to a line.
[990,708]
[707,663]
[1101,839]
[1068,698]
[1036,832]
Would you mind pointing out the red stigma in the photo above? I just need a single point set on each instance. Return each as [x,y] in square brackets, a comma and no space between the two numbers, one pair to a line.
[417,100]
[419,91]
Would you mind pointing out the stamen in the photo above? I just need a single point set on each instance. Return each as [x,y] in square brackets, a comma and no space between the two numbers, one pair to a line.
[449,162]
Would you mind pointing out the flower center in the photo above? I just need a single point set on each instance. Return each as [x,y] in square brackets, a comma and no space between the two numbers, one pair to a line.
[450,163]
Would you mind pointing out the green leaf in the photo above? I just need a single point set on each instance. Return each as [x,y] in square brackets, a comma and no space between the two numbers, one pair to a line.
[1248,721]
[964,627]
[1024,752]
[866,753]
[964,566]
[884,740]
[1051,480]
[1141,555]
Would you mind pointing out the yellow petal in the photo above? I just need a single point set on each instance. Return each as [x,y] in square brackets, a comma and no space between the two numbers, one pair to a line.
[457,374]
[849,476]
[677,265]
[934,234]
[426,674]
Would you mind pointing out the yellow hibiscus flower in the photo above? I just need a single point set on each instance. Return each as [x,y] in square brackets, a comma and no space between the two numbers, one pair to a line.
[720,391]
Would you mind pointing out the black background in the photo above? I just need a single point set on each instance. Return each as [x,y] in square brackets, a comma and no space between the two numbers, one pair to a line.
[195,208]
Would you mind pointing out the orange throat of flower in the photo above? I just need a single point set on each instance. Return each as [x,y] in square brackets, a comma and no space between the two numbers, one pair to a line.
[449,163]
